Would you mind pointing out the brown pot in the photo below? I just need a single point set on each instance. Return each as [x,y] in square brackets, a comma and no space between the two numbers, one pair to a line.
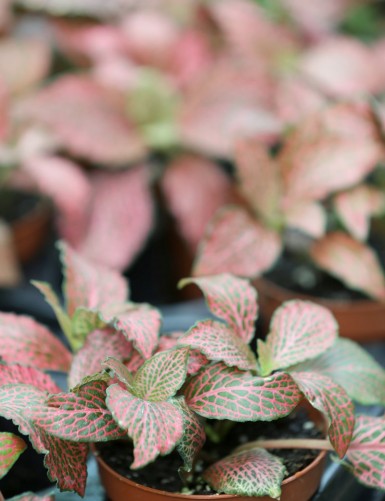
[360,320]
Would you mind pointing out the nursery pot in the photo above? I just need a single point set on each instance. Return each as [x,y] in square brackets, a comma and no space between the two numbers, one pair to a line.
[361,320]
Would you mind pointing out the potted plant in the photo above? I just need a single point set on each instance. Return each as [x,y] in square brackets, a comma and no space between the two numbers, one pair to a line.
[304,223]
[156,394]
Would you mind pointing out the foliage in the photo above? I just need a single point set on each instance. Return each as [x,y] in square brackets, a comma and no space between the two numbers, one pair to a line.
[161,393]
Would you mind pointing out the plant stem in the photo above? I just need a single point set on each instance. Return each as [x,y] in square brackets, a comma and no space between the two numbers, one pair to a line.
[290,443]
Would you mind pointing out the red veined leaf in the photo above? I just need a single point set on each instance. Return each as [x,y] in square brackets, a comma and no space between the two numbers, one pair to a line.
[258,179]
[308,217]
[140,323]
[120,370]
[136,361]
[352,262]
[56,177]
[24,340]
[81,417]
[332,400]
[191,202]
[99,345]
[193,437]
[236,243]
[236,395]
[52,299]
[356,206]
[196,359]
[232,299]
[11,446]
[16,373]
[366,454]
[353,368]
[88,121]
[220,343]
[250,473]
[162,375]
[299,330]
[23,63]
[120,219]
[88,284]
[155,427]
[341,67]
[330,150]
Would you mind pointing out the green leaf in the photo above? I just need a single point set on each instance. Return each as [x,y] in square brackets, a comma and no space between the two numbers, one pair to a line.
[299,330]
[250,473]
[83,322]
[193,437]
[11,446]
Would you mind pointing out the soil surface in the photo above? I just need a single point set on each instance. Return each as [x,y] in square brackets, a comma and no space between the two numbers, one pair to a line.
[163,473]
[15,204]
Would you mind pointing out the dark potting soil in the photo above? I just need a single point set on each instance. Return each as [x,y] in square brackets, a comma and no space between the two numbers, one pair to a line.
[163,473]
[15,204]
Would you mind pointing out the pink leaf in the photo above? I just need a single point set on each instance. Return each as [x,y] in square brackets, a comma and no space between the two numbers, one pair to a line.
[236,395]
[352,262]
[232,299]
[193,437]
[330,150]
[220,343]
[24,340]
[236,243]
[16,373]
[366,454]
[191,202]
[88,284]
[23,63]
[308,217]
[332,400]
[353,368]
[341,67]
[83,417]
[249,473]
[11,446]
[88,121]
[162,375]
[121,217]
[56,177]
[155,427]
[299,330]
[258,178]
[99,345]
[356,206]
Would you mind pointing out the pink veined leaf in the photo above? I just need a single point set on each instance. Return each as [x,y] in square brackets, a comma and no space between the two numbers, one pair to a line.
[99,345]
[135,363]
[196,359]
[162,375]
[191,202]
[57,177]
[220,343]
[356,206]
[329,150]
[85,321]
[352,262]
[308,217]
[258,178]
[366,454]
[238,244]
[353,368]
[24,340]
[232,299]
[236,395]
[121,217]
[121,372]
[88,284]
[11,446]
[83,417]
[88,120]
[341,67]
[29,496]
[193,437]
[140,323]
[299,330]
[20,374]
[155,427]
[333,401]
[23,63]
[249,473]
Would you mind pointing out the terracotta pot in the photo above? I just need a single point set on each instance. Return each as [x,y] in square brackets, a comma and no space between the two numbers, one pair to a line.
[360,320]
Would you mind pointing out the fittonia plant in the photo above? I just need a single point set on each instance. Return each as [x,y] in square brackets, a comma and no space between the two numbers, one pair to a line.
[162,393]
[322,185]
